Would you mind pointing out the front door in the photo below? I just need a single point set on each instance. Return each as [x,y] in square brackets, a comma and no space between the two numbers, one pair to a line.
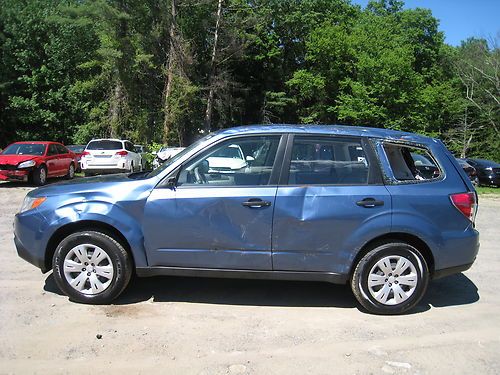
[331,200]
[220,213]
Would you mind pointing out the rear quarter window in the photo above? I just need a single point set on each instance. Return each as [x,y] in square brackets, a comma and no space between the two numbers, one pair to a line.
[411,163]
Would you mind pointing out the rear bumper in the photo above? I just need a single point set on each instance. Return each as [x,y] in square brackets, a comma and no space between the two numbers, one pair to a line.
[15,175]
[104,171]
[115,167]
[457,254]
[450,271]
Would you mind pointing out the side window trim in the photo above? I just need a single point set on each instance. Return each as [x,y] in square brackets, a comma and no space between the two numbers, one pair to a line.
[374,168]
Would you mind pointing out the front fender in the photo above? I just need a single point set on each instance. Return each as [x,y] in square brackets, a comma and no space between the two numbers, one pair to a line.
[103,212]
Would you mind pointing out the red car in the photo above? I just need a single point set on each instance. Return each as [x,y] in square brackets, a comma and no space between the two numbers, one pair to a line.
[36,161]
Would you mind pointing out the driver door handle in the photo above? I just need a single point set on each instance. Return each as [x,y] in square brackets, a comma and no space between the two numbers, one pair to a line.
[256,203]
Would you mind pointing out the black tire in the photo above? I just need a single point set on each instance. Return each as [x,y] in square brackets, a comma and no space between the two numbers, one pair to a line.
[39,176]
[360,278]
[119,259]
[71,172]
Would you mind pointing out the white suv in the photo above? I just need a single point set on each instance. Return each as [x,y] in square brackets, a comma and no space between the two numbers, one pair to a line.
[110,156]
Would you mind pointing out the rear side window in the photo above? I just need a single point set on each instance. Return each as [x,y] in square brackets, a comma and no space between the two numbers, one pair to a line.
[105,145]
[52,150]
[411,163]
[327,161]
[61,149]
[129,147]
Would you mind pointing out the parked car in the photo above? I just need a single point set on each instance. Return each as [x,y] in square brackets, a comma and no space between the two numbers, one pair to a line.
[78,151]
[143,151]
[230,158]
[488,172]
[110,156]
[469,170]
[323,203]
[164,154]
[36,161]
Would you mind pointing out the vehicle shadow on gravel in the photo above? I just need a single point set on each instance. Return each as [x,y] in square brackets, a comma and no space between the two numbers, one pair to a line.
[451,291]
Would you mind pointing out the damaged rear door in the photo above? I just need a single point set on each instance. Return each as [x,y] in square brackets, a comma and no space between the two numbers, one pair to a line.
[331,200]
[220,214]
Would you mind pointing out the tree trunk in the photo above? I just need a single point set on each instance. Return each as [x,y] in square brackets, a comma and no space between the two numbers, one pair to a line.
[116,110]
[207,123]
[170,73]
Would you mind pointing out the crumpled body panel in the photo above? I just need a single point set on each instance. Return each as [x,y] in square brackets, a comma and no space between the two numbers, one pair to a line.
[320,228]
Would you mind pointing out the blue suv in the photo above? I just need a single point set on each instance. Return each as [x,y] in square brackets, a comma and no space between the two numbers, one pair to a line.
[384,211]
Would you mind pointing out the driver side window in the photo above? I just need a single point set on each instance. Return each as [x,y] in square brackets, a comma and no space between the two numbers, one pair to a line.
[244,161]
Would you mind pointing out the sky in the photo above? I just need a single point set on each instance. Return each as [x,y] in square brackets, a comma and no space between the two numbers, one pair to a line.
[460,19]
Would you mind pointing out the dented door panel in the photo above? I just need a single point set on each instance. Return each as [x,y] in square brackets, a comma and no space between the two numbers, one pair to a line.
[209,227]
[321,228]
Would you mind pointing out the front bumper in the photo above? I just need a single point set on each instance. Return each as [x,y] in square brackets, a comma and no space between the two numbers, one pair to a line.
[30,239]
[15,175]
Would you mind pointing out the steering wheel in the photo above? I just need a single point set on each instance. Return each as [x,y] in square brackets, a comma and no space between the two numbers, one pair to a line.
[200,171]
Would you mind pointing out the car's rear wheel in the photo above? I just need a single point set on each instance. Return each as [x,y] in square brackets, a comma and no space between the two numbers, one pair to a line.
[390,279]
[71,172]
[40,176]
[91,267]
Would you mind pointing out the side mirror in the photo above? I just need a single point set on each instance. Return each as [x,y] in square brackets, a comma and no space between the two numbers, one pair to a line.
[154,153]
[250,158]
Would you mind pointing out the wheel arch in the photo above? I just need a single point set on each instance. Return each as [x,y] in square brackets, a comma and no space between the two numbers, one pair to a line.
[411,239]
[83,225]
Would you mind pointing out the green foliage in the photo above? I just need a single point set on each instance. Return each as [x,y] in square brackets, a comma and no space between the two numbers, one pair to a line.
[71,70]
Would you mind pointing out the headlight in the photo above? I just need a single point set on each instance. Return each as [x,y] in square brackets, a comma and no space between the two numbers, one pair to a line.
[31,202]
[27,164]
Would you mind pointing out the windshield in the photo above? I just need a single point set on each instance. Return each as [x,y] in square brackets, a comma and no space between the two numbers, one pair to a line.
[76,148]
[176,157]
[25,149]
[105,145]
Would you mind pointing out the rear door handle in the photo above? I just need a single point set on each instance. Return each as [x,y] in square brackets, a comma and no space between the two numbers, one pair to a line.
[255,203]
[369,203]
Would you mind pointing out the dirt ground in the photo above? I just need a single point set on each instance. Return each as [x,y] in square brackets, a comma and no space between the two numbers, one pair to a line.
[220,326]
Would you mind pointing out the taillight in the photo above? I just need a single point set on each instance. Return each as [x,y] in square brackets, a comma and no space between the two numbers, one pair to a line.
[85,153]
[465,203]
[122,153]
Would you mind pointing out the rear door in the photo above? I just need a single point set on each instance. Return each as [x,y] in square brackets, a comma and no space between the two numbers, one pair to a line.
[52,160]
[65,159]
[331,199]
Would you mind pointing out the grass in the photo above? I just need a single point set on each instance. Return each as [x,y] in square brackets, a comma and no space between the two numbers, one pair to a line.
[487,190]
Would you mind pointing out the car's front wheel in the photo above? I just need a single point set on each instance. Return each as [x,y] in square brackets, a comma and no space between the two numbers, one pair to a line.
[91,267]
[390,279]
[40,176]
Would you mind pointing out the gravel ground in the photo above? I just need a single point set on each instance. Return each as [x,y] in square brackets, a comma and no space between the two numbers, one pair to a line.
[221,326]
